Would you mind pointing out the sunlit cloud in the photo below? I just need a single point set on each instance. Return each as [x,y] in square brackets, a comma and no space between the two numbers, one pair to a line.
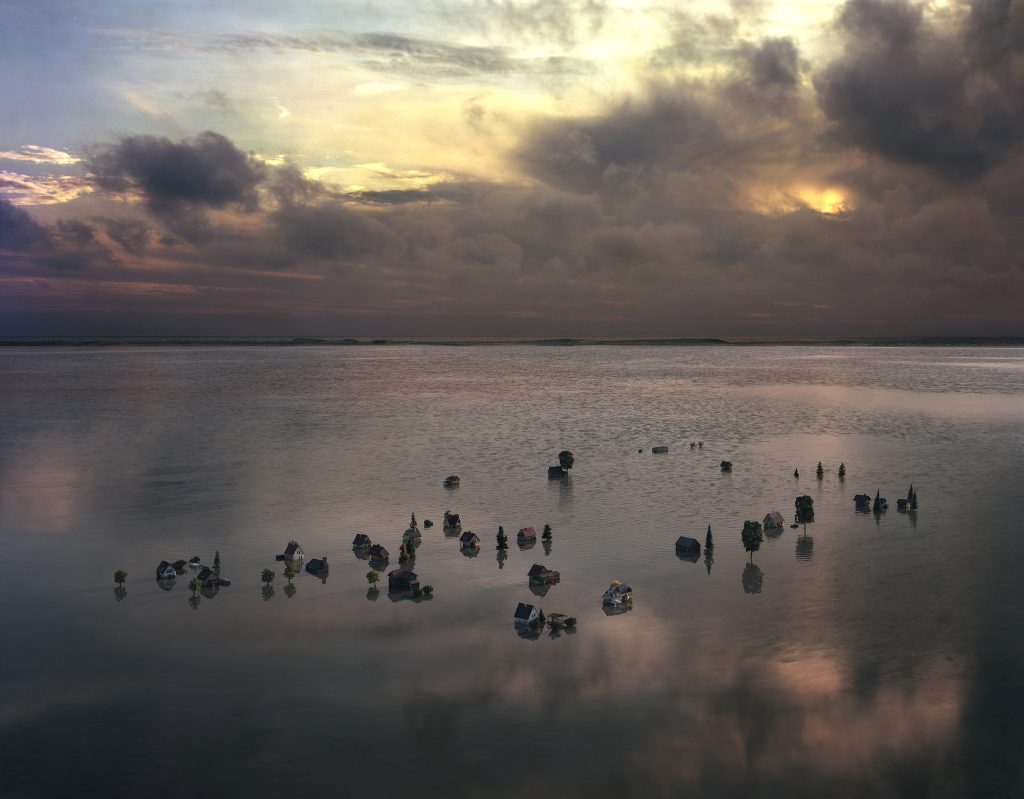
[40,155]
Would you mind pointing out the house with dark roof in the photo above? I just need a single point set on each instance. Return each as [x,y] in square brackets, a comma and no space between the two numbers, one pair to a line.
[165,571]
[557,473]
[403,580]
[361,541]
[452,522]
[687,546]
[526,534]
[208,575]
[469,539]
[292,552]
[318,567]
[451,481]
[378,552]
[526,615]
[540,574]
[774,521]
[862,501]
[726,466]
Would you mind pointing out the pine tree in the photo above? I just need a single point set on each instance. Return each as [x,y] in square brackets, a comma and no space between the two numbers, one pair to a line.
[547,532]
[820,471]
[216,562]
[842,470]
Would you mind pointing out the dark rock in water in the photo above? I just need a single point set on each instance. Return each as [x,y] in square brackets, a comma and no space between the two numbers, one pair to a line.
[793,526]
[427,523]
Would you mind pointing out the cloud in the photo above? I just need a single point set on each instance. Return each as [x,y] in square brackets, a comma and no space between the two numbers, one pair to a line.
[43,189]
[942,93]
[205,172]
[18,231]
[36,154]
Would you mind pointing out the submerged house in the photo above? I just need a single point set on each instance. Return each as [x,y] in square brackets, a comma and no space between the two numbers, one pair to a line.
[726,466]
[451,481]
[880,505]
[208,577]
[774,521]
[165,571]
[292,552]
[403,580]
[617,594]
[469,539]
[541,575]
[361,541]
[687,546]
[556,473]
[526,615]
[862,501]
[452,522]
[318,567]
[377,552]
[659,450]
[526,534]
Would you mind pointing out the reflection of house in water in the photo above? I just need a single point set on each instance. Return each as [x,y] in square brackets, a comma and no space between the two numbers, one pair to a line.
[165,584]
[617,610]
[804,547]
[540,589]
[318,568]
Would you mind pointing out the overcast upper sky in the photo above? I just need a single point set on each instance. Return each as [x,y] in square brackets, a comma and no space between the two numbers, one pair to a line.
[511,167]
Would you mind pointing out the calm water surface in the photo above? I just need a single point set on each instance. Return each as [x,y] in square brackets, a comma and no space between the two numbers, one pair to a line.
[880,657]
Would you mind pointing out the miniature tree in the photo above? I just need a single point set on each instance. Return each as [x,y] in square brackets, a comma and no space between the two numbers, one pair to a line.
[913,498]
[820,471]
[796,473]
[547,532]
[120,577]
[753,536]
[804,509]
[412,522]
[289,573]
[709,551]
[373,577]
[194,585]
[267,576]
[216,563]
[878,505]
[566,460]
[842,470]
[502,538]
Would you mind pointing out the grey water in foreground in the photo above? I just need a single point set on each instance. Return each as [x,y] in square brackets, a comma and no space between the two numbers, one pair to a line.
[872,656]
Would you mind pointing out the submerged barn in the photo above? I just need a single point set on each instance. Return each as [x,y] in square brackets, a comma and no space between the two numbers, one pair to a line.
[687,546]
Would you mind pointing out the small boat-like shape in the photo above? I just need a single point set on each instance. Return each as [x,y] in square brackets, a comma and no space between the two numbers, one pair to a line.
[617,594]
[560,621]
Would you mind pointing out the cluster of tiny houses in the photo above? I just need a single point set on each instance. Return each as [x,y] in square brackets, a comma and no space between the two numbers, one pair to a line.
[879,505]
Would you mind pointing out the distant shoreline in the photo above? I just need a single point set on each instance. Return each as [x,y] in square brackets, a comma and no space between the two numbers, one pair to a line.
[307,341]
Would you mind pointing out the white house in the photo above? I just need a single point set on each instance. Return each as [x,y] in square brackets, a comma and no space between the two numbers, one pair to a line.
[526,614]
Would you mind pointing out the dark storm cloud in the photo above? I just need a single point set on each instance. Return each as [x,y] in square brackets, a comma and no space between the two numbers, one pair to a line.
[208,171]
[18,231]
[938,93]
[332,231]
[132,234]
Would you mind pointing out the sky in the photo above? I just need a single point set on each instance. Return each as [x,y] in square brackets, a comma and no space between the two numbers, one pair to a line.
[512,168]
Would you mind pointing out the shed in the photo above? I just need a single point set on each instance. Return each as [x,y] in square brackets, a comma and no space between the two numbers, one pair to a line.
[469,539]
[541,574]
[774,521]
[526,614]
[687,546]
[360,541]
[165,571]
